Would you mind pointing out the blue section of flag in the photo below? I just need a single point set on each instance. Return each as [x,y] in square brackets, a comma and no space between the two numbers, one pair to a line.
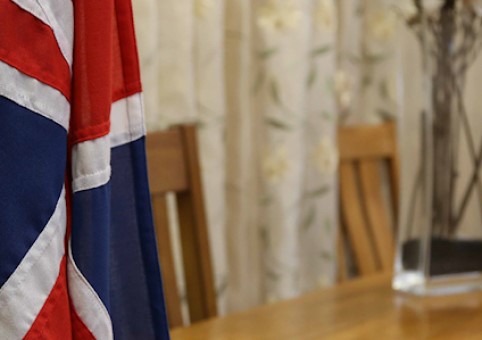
[91,237]
[118,255]
[32,167]
[137,311]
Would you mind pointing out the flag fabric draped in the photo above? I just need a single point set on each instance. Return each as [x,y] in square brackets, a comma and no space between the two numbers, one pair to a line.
[78,256]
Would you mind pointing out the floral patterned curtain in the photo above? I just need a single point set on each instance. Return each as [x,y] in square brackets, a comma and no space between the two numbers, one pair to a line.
[368,80]
[258,76]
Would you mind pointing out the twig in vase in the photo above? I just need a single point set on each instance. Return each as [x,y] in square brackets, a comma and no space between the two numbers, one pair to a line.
[469,189]
[454,41]
[413,202]
[476,159]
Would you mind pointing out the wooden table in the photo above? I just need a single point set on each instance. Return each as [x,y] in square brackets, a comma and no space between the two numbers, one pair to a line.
[361,309]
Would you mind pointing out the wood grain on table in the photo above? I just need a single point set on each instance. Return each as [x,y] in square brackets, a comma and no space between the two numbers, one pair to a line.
[365,308]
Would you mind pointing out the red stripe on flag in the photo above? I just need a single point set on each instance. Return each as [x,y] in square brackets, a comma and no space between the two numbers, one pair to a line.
[127,79]
[92,69]
[29,45]
[53,321]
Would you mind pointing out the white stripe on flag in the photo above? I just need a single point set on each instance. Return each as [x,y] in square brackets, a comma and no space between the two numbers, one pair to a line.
[59,15]
[87,303]
[127,120]
[25,292]
[91,164]
[34,95]
[91,159]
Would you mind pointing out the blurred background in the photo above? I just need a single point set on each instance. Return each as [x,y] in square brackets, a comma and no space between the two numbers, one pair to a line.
[268,83]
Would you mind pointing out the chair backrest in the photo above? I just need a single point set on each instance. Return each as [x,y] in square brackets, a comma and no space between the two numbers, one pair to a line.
[174,168]
[366,225]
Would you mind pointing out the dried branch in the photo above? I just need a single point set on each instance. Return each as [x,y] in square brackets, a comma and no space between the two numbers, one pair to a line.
[454,41]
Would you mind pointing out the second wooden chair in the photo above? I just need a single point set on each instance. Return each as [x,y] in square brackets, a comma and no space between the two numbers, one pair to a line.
[367,229]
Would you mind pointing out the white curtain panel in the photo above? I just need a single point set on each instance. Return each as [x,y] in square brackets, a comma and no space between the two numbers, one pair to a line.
[258,77]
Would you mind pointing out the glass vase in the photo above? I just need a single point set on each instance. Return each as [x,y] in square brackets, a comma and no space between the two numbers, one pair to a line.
[439,246]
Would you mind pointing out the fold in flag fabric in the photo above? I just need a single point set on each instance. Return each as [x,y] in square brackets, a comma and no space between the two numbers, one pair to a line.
[78,257]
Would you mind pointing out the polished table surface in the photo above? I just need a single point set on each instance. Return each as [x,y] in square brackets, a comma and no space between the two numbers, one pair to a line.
[360,309]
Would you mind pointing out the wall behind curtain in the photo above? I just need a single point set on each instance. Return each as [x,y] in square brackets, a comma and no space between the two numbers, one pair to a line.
[258,77]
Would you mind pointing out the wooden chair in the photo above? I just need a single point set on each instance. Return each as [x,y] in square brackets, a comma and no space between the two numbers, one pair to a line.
[174,167]
[365,215]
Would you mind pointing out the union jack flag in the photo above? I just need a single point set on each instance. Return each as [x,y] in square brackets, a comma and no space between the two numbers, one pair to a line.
[78,257]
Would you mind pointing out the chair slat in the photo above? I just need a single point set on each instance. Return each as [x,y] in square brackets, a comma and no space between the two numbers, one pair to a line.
[193,223]
[342,267]
[352,214]
[161,221]
[378,219]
